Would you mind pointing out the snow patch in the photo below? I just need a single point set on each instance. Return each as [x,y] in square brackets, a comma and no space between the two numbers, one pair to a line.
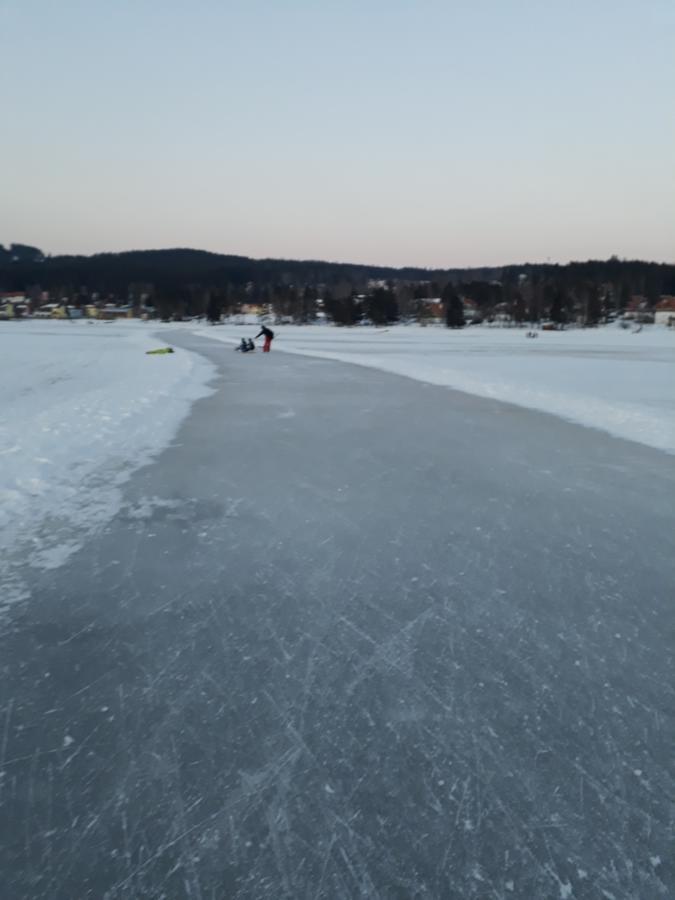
[83,408]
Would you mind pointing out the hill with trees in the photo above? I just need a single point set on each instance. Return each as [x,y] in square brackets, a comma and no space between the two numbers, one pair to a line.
[183,282]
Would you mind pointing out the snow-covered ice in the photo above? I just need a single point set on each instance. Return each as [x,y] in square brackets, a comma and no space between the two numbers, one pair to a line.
[607,378]
[334,655]
[82,407]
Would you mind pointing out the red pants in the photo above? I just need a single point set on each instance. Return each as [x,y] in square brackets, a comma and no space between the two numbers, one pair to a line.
[267,345]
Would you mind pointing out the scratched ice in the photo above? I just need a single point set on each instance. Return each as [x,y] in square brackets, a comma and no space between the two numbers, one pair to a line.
[407,643]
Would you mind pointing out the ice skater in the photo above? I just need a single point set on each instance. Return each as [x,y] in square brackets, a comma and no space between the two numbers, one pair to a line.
[268,334]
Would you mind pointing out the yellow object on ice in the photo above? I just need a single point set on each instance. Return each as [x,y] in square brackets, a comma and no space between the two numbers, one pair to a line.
[161,350]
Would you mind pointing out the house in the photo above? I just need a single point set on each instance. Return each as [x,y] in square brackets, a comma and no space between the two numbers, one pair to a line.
[502,314]
[12,304]
[636,304]
[430,311]
[471,310]
[254,309]
[12,297]
[112,311]
[664,314]
[638,310]
[51,311]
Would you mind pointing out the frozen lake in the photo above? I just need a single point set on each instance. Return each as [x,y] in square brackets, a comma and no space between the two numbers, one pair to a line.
[350,636]
[606,378]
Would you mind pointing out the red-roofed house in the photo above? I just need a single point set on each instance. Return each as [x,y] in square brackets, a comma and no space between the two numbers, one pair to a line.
[664,314]
[637,303]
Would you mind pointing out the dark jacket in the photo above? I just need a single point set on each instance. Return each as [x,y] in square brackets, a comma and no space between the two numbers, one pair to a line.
[266,332]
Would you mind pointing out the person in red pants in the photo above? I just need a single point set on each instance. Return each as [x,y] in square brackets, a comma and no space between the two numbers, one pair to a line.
[268,334]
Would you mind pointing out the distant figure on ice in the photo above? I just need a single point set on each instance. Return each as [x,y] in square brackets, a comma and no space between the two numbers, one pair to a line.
[243,347]
[250,345]
[268,334]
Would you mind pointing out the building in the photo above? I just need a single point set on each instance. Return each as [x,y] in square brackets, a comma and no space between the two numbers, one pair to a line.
[12,304]
[638,310]
[112,311]
[664,314]
[51,311]
[471,310]
[254,309]
[430,311]
[13,297]
[636,304]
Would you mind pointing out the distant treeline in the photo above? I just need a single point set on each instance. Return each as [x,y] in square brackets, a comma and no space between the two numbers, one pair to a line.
[195,282]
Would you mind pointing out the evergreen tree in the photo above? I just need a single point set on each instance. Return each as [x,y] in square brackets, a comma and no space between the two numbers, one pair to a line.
[557,310]
[308,304]
[454,308]
[592,305]
[381,307]
[214,307]
[624,295]
[519,311]
[343,310]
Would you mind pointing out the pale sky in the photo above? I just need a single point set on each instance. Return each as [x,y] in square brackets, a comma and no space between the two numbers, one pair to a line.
[426,132]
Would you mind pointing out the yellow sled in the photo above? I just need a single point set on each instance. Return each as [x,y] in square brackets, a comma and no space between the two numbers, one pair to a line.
[161,350]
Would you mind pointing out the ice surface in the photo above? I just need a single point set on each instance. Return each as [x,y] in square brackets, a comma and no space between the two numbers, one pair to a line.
[404,644]
[605,377]
[82,408]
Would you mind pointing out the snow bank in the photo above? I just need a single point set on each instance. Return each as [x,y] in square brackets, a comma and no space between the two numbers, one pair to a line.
[607,378]
[82,406]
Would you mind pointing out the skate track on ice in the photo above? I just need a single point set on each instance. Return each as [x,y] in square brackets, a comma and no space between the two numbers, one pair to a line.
[352,636]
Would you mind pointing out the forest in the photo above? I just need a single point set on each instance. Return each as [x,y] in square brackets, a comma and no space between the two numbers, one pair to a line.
[186,282]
